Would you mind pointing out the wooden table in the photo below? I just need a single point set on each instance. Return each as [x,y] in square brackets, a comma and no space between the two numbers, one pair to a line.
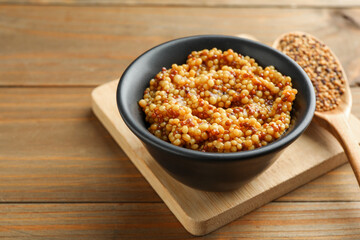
[62,176]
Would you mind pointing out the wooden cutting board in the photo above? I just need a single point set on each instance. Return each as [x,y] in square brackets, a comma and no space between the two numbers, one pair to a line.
[313,154]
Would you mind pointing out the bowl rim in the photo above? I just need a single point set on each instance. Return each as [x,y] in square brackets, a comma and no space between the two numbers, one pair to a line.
[144,135]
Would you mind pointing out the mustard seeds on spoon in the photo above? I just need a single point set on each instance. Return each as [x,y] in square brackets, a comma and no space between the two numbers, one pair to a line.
[319,64]
[331,87]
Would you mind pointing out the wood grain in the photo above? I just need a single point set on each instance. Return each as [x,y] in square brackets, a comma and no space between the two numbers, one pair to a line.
[53,149]
[51,141]
[87,46]
[337,185]
[339,220]
[199,3]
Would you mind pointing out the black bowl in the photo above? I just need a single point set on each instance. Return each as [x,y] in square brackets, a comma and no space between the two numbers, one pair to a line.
[204,170]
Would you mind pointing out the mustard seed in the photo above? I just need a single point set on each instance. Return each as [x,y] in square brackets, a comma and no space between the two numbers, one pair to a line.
[320,65]
[218,102]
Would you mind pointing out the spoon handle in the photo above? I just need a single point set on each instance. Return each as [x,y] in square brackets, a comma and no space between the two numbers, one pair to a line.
[339,126]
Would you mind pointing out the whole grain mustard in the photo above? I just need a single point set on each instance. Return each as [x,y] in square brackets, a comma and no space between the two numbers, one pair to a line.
[218,102]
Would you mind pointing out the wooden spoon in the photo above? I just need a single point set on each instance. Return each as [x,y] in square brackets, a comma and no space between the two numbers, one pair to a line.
[337,120]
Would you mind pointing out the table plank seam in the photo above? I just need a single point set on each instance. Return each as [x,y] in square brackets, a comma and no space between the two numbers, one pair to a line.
[184,5]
